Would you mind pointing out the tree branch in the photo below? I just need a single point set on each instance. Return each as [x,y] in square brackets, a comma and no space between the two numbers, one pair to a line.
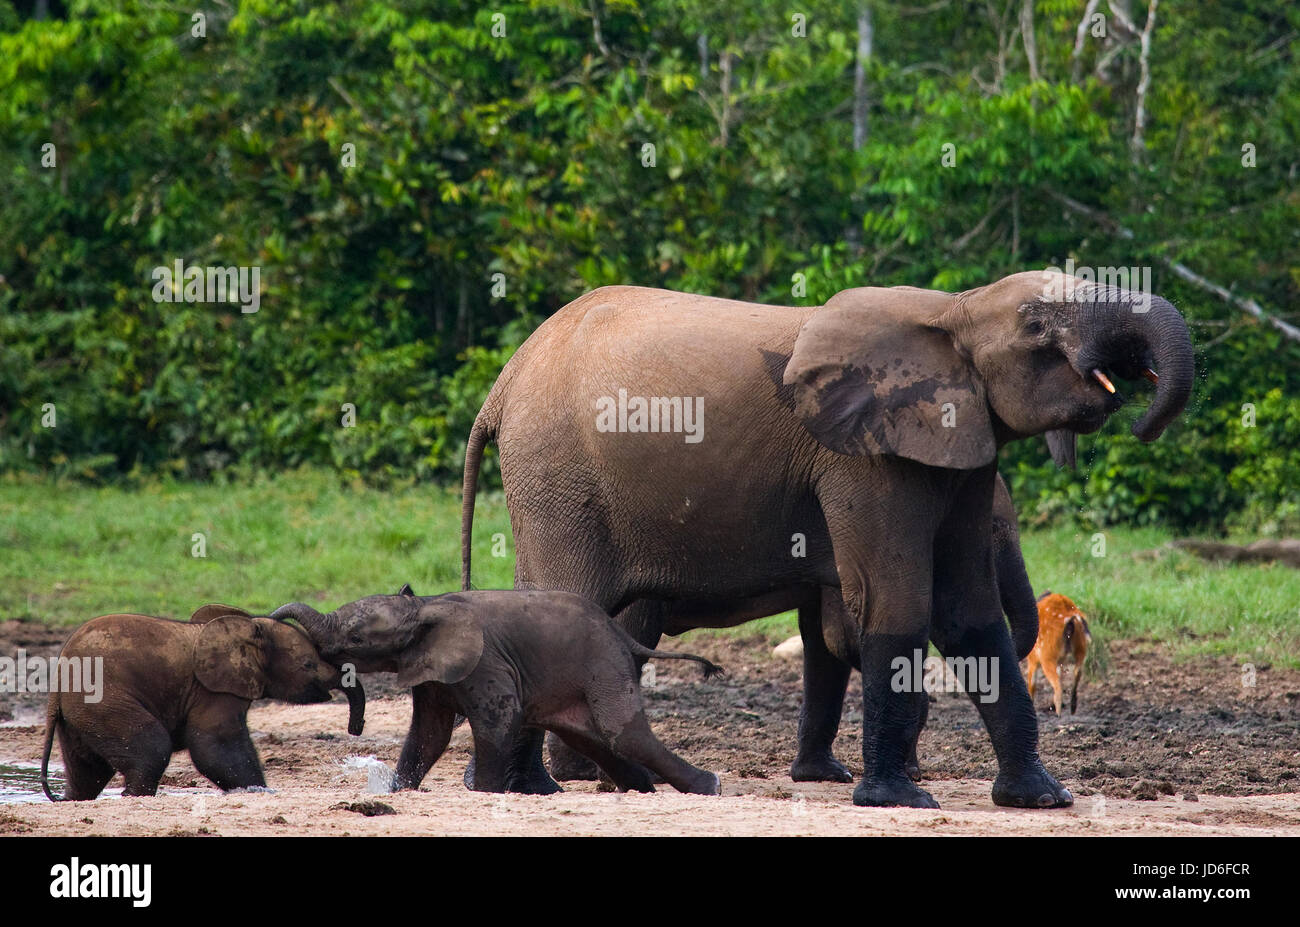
[1140,120]
[1027,35]
[1080,34]
[1181,270]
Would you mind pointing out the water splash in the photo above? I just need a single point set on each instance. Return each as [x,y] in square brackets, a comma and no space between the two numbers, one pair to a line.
[379,777]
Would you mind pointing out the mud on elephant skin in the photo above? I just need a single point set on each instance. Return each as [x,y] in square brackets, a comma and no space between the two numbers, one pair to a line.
[168,686]
[870,426]
[508,661]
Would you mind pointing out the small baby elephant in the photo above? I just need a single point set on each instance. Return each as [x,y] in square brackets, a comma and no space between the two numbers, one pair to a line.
[169,686]
[1062,634]
[507,660]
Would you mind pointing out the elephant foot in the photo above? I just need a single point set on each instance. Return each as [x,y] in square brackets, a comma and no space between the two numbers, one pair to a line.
[821,767]
[535,784]
[1034,787]
[532,782]
[895,792]
[707,783]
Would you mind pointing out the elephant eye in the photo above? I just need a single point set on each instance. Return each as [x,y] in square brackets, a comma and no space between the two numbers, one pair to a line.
[354,639]
[1033,327]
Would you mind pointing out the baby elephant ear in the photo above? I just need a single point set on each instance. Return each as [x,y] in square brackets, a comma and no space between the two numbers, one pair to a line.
[207,612]
[447,652]
[230,657]
[873,374]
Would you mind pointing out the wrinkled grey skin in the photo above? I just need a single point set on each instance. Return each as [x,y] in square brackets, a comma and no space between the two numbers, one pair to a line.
[169,686]
[869,427]
[507,661]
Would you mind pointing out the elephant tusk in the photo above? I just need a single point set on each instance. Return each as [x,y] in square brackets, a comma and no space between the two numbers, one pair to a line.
[1103,380]
[1151,375]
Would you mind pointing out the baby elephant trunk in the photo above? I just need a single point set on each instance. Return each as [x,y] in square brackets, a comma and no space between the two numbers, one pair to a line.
[356,697]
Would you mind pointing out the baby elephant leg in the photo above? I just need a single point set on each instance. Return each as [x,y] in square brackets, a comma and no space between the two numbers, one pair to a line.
[431,725]
[495,732]
[633,740]
[142,757]
[626,775]
[85,772]
[226,756]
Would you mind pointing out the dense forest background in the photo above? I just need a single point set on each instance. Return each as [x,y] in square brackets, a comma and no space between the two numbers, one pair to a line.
[421,183]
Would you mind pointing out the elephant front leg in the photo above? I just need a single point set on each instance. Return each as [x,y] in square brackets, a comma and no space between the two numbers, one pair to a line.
[999,693]
[431,727]
[825,679]
[226,756]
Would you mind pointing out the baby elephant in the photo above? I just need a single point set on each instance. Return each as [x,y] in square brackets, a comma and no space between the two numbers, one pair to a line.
[169,686]
[1062,634]
[507,660]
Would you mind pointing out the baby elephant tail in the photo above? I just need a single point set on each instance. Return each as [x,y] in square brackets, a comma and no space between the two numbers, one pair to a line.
[52,718]
[711,669]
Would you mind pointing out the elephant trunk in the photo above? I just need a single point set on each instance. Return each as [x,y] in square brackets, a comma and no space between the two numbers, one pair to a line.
[1171,350]
[356,696]
[322,629]
[1126,331]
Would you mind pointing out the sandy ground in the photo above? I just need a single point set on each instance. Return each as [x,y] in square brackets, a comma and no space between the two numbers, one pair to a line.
[1157,748]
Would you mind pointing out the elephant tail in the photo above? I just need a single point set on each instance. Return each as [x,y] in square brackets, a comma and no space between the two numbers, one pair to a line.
[484,430]
[52,718]
[711,669]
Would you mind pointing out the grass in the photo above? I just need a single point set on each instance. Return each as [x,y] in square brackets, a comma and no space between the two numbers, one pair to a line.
[69,552]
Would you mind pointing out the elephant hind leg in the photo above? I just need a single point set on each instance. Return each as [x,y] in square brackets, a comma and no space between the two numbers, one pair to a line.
[85,771]
[626,775]
[145,770]
[825,679]
[644,620]
[636,742]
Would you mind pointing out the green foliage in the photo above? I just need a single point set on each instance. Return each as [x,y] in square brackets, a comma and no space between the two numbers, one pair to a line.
[419,192]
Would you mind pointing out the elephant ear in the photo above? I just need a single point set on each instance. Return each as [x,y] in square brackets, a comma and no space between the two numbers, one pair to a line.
[449,649]
[1062,445]
[230,657]
[873,374]
[207,612]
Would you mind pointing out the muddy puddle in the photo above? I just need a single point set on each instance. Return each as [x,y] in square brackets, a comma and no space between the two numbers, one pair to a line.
[20,782]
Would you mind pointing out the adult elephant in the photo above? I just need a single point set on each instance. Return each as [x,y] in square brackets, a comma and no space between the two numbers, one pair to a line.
[688,461]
